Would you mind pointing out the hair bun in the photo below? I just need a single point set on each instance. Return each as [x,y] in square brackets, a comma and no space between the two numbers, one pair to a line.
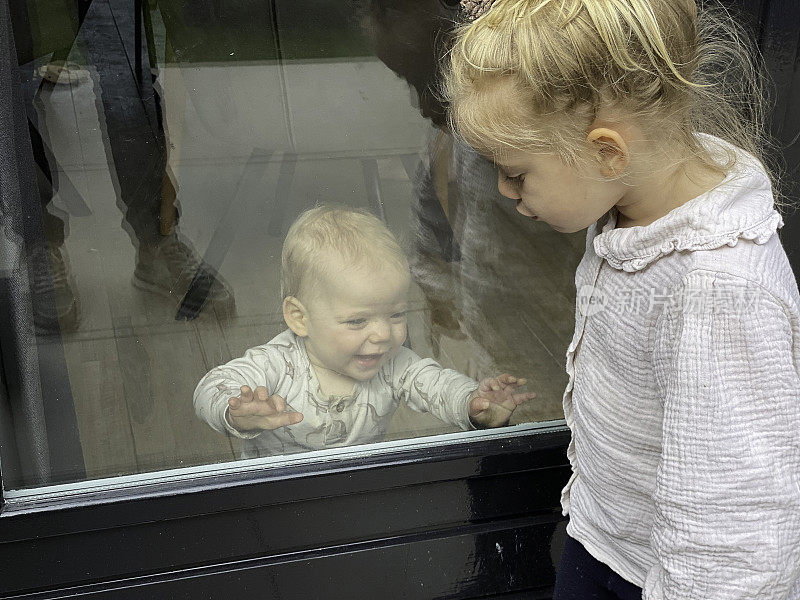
[472,9]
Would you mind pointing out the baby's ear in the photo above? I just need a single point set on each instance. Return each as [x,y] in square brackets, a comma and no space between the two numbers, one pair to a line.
[612,150]
[295,315]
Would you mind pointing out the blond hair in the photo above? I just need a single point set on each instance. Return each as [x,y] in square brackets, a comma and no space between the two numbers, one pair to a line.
[357,237]
[532,75]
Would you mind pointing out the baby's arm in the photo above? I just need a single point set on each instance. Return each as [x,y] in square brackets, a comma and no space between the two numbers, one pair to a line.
[452,397]
[727,493]
[235,397]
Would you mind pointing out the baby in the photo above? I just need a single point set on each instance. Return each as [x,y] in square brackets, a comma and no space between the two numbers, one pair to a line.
[338,374]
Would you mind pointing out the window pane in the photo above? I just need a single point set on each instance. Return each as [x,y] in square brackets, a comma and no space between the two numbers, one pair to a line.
[158,189]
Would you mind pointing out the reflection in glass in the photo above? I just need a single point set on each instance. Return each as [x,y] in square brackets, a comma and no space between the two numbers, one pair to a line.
[170,151]
[338,374]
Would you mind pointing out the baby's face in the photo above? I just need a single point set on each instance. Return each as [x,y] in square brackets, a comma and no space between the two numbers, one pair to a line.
[357,319]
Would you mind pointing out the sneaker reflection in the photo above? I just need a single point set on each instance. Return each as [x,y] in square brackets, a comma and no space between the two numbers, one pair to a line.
[169,266]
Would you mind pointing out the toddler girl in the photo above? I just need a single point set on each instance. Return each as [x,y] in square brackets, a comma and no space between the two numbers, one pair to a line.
[337,375]
[684,389]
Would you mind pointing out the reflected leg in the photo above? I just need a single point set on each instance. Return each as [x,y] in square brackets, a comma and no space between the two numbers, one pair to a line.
[65,312]
[137,151]
[55,304]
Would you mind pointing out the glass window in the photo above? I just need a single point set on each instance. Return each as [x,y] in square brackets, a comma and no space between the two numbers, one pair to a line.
[165,155]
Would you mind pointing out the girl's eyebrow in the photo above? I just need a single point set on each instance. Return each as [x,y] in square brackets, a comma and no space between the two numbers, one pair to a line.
[503,167]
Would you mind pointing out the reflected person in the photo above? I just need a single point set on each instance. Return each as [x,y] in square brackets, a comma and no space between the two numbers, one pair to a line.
[470,256]
[338,374]
[165,262]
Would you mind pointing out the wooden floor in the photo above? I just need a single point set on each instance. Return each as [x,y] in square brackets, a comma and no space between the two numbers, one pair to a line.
[133,367]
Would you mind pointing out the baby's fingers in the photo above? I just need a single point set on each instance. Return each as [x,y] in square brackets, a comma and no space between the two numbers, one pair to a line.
[245,397]
[479,404]
[249,401]
[509,380]
[242,405]
[285,418]
[493,384]
[523,397]
[246,393]
[277,404]
[265,407]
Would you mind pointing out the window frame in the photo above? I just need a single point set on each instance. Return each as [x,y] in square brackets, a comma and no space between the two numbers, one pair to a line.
[497,486]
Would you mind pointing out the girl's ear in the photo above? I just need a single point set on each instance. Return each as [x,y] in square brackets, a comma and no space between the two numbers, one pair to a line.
[612,150]
[295,315]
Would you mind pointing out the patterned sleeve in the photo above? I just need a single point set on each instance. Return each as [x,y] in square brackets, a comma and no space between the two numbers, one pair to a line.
[428,387]
[261,365]
[727,491]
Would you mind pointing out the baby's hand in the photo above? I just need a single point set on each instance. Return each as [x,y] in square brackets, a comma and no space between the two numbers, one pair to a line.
[252,411]
[492,404]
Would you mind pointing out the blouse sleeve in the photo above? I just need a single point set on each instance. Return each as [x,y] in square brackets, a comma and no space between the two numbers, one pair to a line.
[261,365]
[727,491]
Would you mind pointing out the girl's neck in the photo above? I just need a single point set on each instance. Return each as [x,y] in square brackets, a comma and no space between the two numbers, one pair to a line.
[655,196]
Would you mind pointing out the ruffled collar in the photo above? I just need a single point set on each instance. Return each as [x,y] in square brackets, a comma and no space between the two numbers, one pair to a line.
[741,207]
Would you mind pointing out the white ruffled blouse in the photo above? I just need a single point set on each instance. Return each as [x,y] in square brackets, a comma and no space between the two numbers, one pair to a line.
[684,399]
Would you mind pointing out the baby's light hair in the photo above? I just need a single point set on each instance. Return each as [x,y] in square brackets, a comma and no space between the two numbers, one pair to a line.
[532,75]
[356,236]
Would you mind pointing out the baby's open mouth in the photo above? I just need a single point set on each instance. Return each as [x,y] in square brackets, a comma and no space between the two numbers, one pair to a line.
[368,360]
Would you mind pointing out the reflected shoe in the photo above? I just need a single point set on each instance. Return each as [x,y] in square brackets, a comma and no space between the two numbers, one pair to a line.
[171,268]
[63,72]
[55,304]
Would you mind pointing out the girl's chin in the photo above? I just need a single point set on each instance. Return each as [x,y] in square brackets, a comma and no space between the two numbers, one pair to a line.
[521,209]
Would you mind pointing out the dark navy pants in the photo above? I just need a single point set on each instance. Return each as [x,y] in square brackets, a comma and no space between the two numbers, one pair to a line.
[581,576]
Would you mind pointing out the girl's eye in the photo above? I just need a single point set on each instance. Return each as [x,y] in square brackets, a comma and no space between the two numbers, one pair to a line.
[516,181]
[356,322]
[398,316]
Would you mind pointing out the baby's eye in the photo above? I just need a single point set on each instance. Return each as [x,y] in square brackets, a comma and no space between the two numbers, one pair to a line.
[399,315]
[356,322]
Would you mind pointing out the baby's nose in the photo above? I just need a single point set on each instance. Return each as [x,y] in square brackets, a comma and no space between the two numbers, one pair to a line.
[380,331]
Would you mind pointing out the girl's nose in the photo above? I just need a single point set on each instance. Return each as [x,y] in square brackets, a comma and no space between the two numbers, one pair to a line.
[505,188]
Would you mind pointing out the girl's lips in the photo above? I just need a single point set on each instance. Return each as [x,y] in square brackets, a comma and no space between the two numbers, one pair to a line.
[534,217]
